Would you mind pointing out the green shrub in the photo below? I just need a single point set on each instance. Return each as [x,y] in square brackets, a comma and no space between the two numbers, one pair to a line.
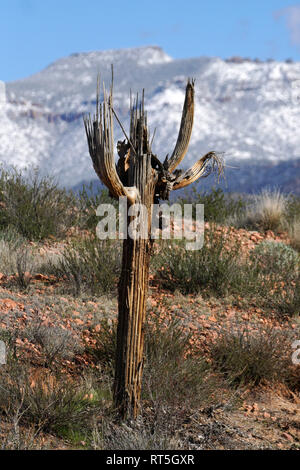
[10,244]
[137,435]
[218,206]
[25,266]
[104,350]
[34,206]
[88,201]
[269,276]
[215,268]
[278,268]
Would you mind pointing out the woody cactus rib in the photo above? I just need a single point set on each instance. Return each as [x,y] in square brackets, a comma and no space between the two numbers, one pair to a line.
[185,130]
[100,141]
[201,169]
[139,175]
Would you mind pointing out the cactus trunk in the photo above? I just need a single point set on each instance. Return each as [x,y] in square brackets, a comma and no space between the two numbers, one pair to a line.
[142,178]
[133,287]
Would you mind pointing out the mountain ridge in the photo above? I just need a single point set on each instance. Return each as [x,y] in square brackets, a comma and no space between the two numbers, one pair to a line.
[247,109]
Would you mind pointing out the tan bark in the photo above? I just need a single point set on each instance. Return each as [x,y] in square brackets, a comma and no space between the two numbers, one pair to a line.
[133,288]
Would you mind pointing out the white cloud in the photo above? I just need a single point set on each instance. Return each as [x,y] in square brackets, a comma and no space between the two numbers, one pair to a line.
[292,18]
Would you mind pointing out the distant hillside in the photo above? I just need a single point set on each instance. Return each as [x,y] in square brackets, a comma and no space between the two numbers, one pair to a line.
[248,109]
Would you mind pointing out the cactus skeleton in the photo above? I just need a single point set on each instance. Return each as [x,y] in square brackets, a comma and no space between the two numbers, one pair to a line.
[141,177]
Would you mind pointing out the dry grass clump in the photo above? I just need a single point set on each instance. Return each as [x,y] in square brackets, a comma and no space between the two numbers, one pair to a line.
[56,343]
[20,260]
[251,354]
[88,264]
[21,438]
[267,211]
[17,258]
[49,402]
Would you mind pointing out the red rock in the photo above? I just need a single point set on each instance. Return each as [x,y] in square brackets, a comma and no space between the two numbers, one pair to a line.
[40,277]
[8,303]
[269,233]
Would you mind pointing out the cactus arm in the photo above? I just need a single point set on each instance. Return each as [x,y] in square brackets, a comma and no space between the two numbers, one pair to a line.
[200,169]
[185,130]
[99,134]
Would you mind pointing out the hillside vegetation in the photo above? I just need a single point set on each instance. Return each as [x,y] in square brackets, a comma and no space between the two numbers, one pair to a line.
[221,323]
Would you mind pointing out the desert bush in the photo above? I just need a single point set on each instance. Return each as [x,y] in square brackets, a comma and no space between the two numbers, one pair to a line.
[46,401]
[12,236]
[89,263]
[174,375]
[266,212]
[268,276]
[294,233]
[169,363]
[293,208]
[16,257]
[25,264]
[252,354]
[218,205]
[216,268]
[56,343]
[18,438]
[88,200]
[7,258]
[276,257]
[135,436]
[104,350]
[278,267]
[284,299]
[34,205]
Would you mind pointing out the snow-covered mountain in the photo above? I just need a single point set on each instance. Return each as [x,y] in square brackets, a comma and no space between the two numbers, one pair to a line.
[249,110]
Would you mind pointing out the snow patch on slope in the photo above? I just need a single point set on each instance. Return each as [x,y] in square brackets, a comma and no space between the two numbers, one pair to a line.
[249,110]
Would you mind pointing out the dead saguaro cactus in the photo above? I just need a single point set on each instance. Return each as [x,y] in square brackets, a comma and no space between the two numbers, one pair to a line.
[142,178]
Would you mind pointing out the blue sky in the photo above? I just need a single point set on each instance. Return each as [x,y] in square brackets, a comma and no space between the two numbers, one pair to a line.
[34,33]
